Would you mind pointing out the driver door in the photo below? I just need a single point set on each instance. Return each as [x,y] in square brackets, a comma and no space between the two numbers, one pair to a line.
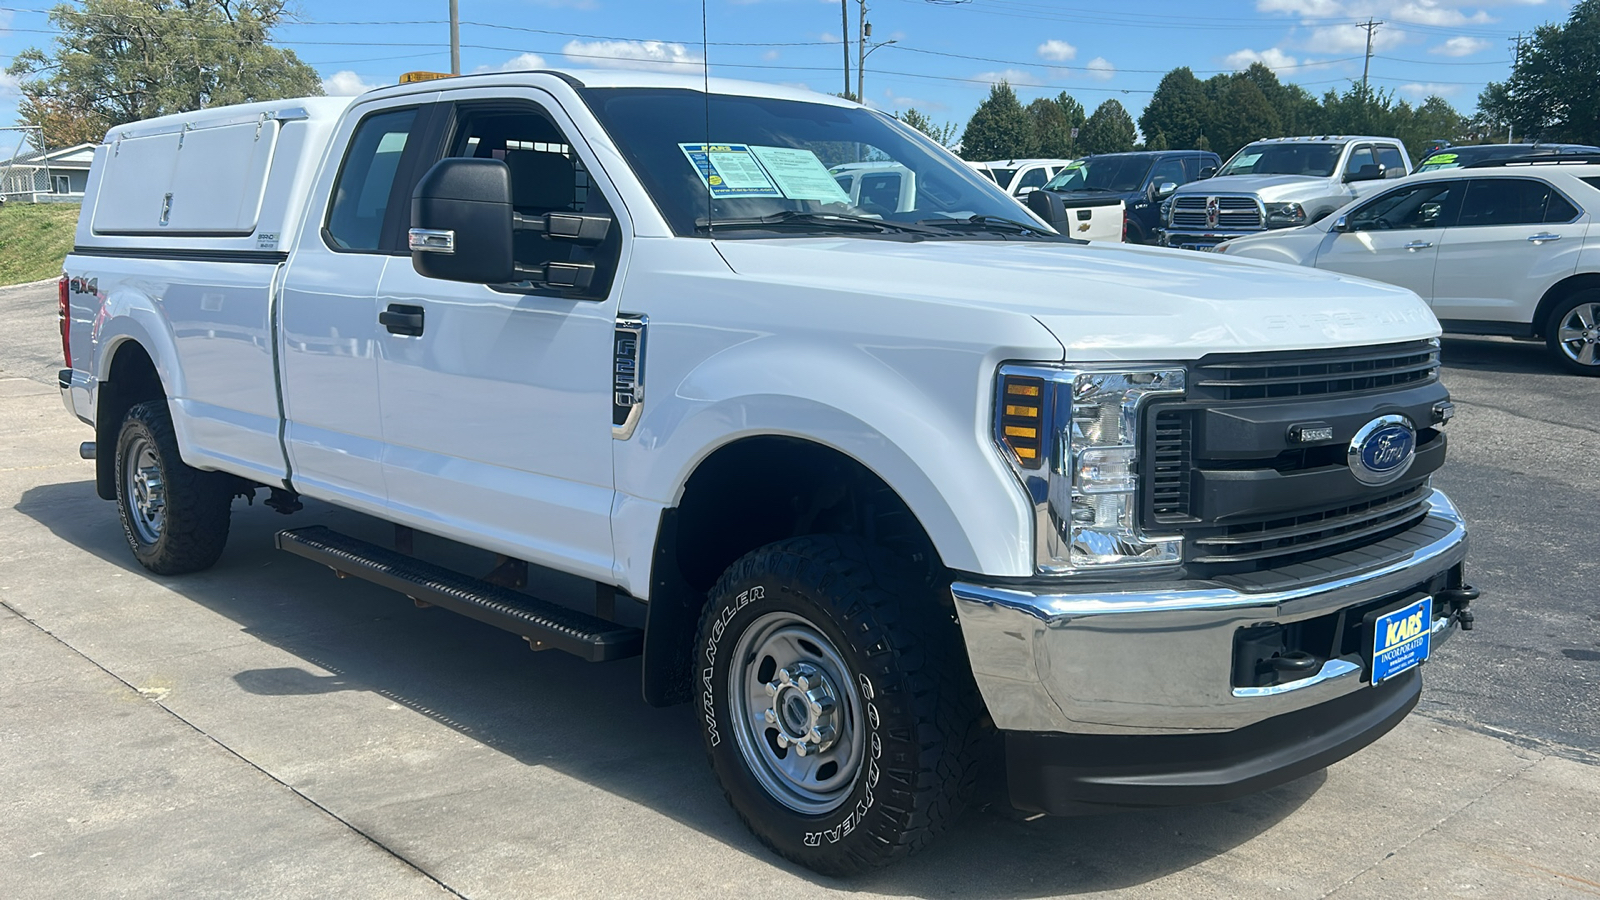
[497,412]
[1394,237]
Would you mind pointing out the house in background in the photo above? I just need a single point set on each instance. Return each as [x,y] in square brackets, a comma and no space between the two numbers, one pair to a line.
[49,176]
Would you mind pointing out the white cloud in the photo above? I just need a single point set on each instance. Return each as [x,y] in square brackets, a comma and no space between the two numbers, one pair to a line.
[1101,69]
[1272,57]
[1013,77]
[346,83]
[523,62]
[770,55]
[1460,46]
[1420,91]
[1058,51]
[1411,12]
[1351,39]
[895,101]
[656,56]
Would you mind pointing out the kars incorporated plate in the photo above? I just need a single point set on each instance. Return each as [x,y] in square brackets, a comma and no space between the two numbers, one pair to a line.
[1401,639]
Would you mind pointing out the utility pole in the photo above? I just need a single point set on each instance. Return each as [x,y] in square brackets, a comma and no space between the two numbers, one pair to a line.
[455,37]
[1516,60]
[861,53]
[844,37]
[1371,27]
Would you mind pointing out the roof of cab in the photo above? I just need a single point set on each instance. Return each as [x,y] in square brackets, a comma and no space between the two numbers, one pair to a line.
[623,78]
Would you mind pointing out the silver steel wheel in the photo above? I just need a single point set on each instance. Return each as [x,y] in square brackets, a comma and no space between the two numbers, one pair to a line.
[797,714]
[147,493]
[1579,334]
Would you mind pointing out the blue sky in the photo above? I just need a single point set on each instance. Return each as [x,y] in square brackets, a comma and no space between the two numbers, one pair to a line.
[946,52]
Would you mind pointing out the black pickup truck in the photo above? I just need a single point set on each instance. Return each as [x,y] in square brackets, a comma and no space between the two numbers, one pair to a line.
[1140,180]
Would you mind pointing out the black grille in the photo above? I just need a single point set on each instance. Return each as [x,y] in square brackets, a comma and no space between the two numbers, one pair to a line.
[1171,458]
[1260,376]
[1289,539]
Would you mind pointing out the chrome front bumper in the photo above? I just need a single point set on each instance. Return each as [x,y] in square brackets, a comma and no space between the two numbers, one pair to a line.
[1138,661]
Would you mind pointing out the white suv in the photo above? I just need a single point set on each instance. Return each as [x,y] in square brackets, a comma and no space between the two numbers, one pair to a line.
[1505,247]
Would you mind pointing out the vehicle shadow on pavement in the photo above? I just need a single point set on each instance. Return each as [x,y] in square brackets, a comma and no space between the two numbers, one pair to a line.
[587,721]
[1505,355]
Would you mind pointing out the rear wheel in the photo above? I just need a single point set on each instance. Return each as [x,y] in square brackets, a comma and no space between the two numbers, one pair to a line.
[175,517]
[1573,332]
[837,707]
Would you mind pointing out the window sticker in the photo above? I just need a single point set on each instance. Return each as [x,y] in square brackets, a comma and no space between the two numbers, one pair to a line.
[800,175]
[730,170]
[1249,159]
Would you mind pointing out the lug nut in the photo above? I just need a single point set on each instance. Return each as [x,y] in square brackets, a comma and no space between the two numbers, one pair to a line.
[772,717]
[800,749]
[772,689]
[784,677]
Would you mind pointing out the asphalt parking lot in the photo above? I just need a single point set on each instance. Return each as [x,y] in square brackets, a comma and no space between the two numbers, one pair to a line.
[263,729]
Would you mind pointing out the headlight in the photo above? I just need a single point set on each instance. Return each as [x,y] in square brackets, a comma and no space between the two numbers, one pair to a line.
[1073,438]
[1166,211]
[1285,215]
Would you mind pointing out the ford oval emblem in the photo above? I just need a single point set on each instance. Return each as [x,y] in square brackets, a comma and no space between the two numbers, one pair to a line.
[1383,450]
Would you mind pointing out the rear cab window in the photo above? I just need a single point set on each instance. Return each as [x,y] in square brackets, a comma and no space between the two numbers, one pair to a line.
[361,195]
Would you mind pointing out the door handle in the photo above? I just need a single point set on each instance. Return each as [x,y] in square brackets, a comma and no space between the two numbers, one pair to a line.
[1418,245]
[1542,237]
[401,318]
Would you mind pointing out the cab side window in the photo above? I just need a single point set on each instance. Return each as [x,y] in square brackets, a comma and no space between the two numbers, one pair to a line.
[366,180]
[1360,156]
[546,176]
[1389,157]
[1509,201]
[1429,205]
[1032,178]
[1169,172]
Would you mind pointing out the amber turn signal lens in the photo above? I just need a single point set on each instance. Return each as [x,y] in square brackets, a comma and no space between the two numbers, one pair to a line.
[1021,419]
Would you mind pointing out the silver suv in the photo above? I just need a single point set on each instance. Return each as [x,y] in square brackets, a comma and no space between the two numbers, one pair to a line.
[1279,183]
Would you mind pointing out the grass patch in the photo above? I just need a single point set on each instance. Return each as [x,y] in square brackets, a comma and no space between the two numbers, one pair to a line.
[34,239]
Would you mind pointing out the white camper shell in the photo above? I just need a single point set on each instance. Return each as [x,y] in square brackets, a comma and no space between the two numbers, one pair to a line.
[227,179]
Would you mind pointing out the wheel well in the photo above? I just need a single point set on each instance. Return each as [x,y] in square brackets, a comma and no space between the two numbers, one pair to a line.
[132,379]
[1558,292]
[746,495]
[760,490]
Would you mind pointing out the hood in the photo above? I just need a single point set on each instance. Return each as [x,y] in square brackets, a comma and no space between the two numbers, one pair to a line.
[1267,187]
[1104,301]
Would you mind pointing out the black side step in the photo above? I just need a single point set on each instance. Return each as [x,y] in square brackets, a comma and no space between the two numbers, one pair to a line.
[559,627]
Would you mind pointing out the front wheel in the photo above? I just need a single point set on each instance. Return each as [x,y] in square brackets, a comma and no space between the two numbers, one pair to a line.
[175,517]
[1573,332]
[836,703]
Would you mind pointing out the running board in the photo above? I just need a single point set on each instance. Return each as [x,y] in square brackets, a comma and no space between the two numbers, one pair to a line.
[544,624]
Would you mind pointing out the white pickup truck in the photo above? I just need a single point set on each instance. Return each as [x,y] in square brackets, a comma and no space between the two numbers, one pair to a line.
[890,487]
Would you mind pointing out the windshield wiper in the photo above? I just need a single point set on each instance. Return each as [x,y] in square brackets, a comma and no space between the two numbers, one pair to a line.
[989,223]
[794,218]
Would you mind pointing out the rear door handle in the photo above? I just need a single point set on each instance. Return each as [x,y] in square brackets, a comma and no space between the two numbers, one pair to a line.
[1418,245]
[1541,238]
[401,318]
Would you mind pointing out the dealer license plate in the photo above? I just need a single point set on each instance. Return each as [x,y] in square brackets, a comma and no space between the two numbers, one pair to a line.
[1401,639]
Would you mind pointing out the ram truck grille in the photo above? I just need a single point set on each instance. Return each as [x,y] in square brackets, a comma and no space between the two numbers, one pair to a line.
[1236,213]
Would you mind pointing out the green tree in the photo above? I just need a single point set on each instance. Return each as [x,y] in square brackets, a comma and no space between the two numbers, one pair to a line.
[999,129]
[1434,119]
[118,61]
[1052,130]
[944,133]
[1179,109]
[1241,114]
[1552,94]
[1109,130]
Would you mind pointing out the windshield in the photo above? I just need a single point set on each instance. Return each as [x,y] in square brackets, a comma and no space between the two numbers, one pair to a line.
[1118,174]
[792,166]
[1284,159]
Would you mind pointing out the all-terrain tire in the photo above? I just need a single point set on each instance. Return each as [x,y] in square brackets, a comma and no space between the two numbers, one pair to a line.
[1577,318]
[181,524]
[894,660]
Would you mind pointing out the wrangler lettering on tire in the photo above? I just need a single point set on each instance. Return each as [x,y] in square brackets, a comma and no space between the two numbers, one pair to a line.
[837,706]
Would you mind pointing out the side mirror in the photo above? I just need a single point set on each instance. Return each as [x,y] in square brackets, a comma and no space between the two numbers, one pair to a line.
[1367,172]
[1025,191]
[461,222]
[1163,190]
[1207,171]
[1342,224]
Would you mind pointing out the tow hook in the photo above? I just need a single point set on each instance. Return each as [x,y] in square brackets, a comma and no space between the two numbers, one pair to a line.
[1460,599]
